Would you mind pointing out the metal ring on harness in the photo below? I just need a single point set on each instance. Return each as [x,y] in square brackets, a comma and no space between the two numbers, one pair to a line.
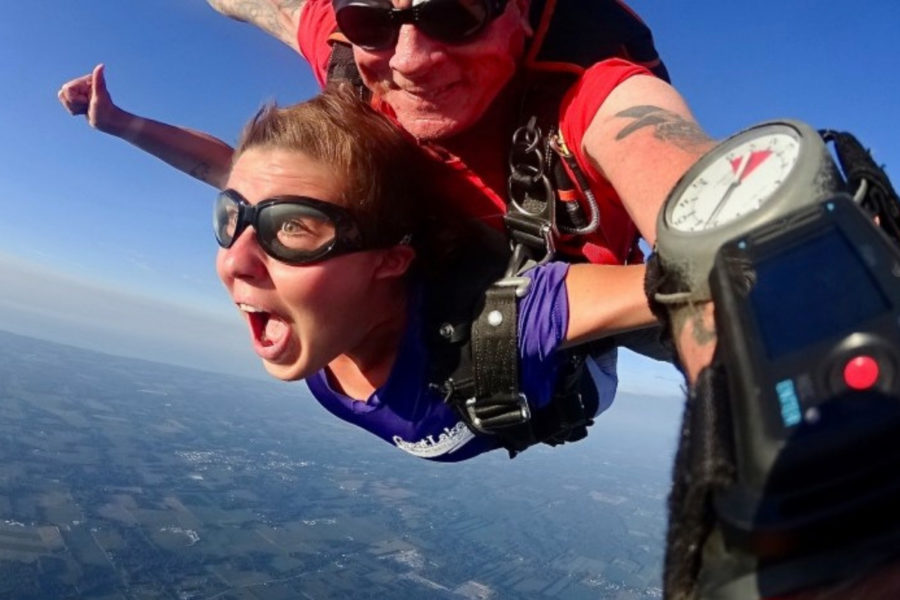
[528,182]
[531,215]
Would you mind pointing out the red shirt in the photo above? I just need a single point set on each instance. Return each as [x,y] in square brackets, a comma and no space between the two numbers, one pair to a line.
[317,24]
[481,185]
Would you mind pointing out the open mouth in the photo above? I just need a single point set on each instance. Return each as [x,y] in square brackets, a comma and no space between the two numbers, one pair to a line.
[268,330]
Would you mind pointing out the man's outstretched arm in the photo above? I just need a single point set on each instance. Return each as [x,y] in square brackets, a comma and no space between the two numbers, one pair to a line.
[198,154]
[278,18]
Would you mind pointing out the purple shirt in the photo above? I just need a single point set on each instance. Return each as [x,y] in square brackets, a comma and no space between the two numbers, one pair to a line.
[406,413]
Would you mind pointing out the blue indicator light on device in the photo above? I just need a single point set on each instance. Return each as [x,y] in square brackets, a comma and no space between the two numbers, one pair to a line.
[790,406]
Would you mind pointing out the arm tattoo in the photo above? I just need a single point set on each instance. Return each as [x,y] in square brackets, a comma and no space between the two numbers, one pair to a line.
[201,172]
[667,126]
[702,334]
[274,16]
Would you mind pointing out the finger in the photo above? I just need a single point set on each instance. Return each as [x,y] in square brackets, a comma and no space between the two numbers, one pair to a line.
[98,80]
[83,82]
[73,102]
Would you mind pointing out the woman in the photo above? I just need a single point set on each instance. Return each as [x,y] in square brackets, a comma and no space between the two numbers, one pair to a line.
[332,236]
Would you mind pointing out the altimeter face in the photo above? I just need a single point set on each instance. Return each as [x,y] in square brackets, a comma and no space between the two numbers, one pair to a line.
[736,183]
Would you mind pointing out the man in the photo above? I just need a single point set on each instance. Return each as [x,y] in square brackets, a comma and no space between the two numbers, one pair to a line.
[459,98]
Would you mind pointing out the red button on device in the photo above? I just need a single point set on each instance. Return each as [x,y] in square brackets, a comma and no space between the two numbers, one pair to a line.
[861,373]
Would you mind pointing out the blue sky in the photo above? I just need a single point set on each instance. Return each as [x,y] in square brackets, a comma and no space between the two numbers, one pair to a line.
[106,247]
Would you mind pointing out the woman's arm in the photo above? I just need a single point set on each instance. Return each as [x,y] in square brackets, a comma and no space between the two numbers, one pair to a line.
[604,300]
[198,154]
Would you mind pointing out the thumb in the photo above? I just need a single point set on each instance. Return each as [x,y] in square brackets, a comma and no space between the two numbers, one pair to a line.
[98,82]
[102,113]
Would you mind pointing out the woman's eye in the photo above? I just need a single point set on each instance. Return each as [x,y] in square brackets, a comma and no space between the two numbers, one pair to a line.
[294,227]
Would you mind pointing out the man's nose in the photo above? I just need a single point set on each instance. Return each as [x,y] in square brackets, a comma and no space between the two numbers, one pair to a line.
[416,53]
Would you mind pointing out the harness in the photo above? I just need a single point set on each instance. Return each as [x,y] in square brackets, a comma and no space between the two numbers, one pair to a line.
[472,333]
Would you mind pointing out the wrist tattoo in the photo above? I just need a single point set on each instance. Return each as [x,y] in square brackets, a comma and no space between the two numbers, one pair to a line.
[703,334]
[691,315]
[667,126]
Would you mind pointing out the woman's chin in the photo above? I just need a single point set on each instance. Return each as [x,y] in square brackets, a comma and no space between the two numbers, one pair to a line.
[286,372]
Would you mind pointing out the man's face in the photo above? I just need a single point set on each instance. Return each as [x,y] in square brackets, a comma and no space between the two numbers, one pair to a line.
[438,90]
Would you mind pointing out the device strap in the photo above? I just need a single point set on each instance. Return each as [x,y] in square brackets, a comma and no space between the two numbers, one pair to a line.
[704,463]
[876,194]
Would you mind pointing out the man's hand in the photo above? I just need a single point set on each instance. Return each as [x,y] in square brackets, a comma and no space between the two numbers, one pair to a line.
[87,95]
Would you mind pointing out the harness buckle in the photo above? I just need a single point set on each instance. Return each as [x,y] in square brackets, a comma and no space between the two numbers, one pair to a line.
[520,283]
[498,412]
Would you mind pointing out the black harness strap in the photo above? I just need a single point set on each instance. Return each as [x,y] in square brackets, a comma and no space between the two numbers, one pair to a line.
[342,69]
[875,192]
[497,402]
[704,463]
[471,330]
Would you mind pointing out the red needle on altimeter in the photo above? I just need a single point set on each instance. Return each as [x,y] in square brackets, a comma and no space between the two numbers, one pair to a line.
[741,167]
[749,162]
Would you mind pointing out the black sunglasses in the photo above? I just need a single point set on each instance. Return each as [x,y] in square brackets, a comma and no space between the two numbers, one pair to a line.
[293,229]
[375,24]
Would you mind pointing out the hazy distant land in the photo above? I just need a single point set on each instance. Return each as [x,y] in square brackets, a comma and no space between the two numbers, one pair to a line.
[125,479]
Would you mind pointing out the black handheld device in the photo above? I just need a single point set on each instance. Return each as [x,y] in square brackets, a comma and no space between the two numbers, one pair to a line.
[808,318]
[786,475]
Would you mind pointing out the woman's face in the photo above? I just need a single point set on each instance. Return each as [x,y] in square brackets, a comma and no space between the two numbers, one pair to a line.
[300,317]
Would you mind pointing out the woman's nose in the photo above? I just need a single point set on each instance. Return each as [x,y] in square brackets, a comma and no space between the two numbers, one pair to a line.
[244,259]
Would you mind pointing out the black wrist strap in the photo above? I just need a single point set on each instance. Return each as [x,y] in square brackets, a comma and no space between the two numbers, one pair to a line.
[704,463]
[656,282]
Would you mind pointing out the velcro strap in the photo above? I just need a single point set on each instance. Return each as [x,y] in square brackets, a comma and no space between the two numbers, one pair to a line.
[704,463]
[497,402]
[656,282]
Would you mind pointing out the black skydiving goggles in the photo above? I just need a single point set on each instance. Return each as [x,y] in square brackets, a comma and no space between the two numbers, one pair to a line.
[375,24]
[293,229]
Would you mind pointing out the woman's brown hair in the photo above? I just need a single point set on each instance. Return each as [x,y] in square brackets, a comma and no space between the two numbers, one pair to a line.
[388,183]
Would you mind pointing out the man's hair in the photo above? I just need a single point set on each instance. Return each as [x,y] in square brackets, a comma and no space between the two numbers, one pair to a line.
[387,182]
